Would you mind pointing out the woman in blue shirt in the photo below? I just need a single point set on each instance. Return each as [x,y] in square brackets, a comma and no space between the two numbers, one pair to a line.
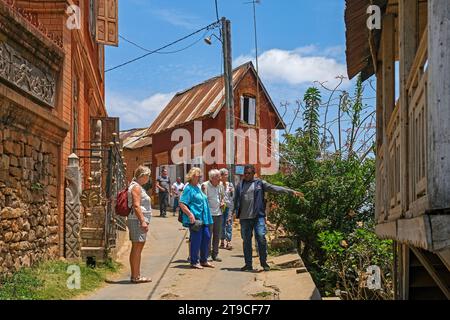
[194,205]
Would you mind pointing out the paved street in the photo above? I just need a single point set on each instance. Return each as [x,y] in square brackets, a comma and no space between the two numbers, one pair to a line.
[164,260]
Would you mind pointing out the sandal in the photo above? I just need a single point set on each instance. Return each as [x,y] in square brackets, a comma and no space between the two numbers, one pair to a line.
[207,265]
[222,245]
[229,246]
[196,266]
[140,280]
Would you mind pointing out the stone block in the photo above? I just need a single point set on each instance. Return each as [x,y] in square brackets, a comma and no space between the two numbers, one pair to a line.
[13,161]
[36,143]
[15,226]
[28,151]
[29,140]
[6,133]
[45,147]
[8,147]
[10,213]
[8,237]
[40,232]
[15,172]
[25,174]
[33,221]
[23,235]
[4,162]
[26,226]
[5,225]
[31,235]
[18,149]
[16,237]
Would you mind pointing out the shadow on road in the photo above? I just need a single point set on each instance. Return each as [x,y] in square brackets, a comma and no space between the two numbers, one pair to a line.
[119,282]
[238,270]
[180,261]
[182,266]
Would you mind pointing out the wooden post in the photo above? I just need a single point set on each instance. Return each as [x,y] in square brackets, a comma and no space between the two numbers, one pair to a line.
[380,133]
[405,272]
[388,72]
[229,96]
[408,31]
[438,141]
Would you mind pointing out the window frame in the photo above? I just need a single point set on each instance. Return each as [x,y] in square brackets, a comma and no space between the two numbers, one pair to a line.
[249,113]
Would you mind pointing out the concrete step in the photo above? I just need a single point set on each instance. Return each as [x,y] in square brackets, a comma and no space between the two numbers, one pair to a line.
[291,260]
[93,233]
[97,253]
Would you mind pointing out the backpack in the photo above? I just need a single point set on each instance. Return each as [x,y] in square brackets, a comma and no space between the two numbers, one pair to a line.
[122,208]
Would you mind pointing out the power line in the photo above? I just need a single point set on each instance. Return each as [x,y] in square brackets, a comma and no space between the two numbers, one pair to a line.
[208,27]
[165,52]
[217,10]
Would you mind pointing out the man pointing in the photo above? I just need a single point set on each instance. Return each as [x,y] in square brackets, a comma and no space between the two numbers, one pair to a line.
[250,210]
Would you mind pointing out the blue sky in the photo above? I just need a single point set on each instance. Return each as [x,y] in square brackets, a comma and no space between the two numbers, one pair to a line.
[299,41]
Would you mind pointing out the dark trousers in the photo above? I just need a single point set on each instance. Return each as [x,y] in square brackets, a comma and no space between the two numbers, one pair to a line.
[199,243]
[247,227]
[163,202]
[216,231]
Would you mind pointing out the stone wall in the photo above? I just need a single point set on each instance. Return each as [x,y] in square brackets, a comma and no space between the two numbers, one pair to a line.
[28,199]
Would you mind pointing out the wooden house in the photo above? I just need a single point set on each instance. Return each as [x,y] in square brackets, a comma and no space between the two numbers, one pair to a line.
[409,54]
[202,107]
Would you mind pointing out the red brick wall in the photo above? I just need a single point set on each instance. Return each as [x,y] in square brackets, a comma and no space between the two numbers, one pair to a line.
[136,157]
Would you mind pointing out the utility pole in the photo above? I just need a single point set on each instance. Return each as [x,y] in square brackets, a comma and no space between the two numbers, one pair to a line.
[229,98]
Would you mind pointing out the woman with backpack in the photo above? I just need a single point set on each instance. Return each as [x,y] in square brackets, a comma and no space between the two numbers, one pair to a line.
[138,220]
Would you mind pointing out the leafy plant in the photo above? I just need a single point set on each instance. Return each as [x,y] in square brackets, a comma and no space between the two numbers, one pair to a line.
[348,259]
[337,178]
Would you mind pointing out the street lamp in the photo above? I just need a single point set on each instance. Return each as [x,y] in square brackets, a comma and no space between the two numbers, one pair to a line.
[208,40]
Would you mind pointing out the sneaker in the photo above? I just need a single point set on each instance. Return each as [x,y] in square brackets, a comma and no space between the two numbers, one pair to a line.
[217,259]
[247,268]
[266,267]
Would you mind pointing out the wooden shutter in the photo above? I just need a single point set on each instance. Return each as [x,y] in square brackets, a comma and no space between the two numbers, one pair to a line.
[251,111]
[242,108]
[108,22]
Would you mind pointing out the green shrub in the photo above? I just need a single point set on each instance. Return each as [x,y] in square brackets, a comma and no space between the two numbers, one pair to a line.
[347,259]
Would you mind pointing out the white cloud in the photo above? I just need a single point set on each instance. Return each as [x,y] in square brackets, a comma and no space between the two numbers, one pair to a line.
[301,66]
[176,18]
[135,113]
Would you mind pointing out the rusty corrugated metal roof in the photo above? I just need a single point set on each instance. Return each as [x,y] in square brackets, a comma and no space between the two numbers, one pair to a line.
[135,138]
[198,102]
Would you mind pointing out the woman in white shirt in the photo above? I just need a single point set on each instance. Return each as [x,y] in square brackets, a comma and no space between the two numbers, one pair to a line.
[138,220]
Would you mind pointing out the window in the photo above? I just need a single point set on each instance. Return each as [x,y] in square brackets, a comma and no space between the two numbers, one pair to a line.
[248,110]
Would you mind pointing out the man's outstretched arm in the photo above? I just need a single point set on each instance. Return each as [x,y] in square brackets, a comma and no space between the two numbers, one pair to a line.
[268,187]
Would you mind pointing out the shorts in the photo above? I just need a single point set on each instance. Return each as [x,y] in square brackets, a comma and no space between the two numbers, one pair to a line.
[136,232]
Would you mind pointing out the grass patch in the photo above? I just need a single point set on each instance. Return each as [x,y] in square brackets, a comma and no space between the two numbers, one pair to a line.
[48,281]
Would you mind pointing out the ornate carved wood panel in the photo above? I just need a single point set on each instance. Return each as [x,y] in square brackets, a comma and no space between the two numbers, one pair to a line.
[21,73]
